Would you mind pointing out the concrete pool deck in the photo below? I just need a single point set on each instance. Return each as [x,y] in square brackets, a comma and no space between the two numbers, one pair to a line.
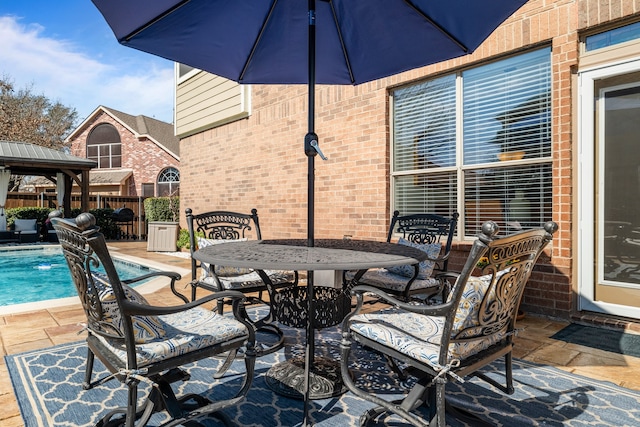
[48,326]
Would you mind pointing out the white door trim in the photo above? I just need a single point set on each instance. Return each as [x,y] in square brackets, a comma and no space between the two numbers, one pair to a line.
[587,190]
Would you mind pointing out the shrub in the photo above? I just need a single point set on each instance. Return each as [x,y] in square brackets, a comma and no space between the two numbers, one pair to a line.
[39,214]
[183,239]
[103,218]
[165,209]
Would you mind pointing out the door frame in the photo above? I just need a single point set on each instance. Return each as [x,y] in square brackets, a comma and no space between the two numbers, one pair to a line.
[586,234]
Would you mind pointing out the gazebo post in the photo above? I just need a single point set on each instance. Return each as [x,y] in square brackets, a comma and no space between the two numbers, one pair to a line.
[84,187]
[66,201]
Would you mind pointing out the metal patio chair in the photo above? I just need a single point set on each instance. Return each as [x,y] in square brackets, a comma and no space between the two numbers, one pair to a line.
[429,232]
[219,227]
[452,340]
[138,342]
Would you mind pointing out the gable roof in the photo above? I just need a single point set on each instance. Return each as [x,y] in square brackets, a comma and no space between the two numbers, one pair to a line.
[159,132]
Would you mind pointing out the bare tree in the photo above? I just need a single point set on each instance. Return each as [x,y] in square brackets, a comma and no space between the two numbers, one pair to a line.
[27,117]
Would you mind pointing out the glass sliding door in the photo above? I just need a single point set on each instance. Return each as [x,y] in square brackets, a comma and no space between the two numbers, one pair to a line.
[610,169]
[618,145]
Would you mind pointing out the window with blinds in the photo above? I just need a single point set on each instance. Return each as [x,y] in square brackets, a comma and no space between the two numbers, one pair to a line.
[477,142]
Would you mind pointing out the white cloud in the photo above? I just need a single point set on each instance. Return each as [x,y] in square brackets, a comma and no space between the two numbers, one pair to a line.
[62,72]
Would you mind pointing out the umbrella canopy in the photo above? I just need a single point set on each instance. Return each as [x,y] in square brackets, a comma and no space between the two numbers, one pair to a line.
[278,41]
[265,41]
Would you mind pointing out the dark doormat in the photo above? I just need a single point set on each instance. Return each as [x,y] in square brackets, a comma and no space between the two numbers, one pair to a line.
[600,338]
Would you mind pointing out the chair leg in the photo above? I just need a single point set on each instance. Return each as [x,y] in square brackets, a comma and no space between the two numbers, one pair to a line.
[508,366]
[507,387]
[132,403]
[402,409]
[86,385]
[226,365]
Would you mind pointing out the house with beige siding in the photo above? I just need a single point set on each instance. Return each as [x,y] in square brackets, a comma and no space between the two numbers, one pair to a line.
[539,123]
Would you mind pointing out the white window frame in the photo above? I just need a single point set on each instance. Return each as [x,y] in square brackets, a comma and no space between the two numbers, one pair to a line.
[460,168]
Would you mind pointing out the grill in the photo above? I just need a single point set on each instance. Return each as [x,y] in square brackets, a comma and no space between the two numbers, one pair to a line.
[124,216]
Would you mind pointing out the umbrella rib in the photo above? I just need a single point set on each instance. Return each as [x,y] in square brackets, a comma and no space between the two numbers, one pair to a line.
[154,21]
[255,44]
[344,47]
[438,26]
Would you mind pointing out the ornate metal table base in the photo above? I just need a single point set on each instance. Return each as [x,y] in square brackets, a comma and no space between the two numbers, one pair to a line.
[325,381]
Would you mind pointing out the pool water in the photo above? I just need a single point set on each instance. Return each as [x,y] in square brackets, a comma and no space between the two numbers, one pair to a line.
[30,275]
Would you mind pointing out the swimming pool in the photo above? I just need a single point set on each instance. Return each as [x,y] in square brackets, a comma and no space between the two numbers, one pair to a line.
[40,274]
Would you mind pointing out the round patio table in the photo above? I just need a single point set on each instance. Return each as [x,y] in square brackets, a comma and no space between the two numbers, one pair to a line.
[295,254]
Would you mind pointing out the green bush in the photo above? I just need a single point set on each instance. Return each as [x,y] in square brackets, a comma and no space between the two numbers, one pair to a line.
[183,239]
[39,214]
[103,218]
[164,209]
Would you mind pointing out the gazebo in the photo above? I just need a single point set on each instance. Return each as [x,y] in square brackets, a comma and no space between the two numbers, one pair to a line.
[22,158]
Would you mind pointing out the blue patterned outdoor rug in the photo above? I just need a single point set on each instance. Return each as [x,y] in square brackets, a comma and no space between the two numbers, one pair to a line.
[47,384]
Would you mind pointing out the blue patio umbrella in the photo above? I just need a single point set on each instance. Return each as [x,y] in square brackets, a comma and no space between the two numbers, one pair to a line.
[305,41]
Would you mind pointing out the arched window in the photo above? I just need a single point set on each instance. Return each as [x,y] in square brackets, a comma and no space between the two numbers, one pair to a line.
[169,182]
[103,146]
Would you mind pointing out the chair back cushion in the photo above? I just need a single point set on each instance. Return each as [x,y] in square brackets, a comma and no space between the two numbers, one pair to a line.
[219,270]
[467,323]
[145,328]
[426,267]
[24,224]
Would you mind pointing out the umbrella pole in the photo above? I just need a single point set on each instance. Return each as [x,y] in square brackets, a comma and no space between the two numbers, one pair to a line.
[310,142]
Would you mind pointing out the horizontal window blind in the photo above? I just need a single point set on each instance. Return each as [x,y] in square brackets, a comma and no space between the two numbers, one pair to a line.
[505,143]
[426,193]
[507,109]
[425,124]
[516,197]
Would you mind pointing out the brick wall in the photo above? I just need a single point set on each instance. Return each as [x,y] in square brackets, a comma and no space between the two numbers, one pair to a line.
[143,156]
[259,161]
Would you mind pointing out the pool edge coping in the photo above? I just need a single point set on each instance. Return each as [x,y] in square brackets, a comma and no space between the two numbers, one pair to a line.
[145,288]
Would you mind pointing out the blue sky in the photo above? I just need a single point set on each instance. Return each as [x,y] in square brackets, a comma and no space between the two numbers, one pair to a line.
[67,52]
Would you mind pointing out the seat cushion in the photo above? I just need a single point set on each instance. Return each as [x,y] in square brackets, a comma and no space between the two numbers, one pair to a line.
[145,328]
[248,281]
[384,279]
[426,267]
[419,336]
[186,331]
[414,335]
[218,269]
[25,225]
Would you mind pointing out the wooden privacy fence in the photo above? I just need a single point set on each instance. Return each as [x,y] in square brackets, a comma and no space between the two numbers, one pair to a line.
[48,200]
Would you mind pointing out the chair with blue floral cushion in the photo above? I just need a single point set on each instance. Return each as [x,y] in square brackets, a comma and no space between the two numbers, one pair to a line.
[139,342]
[220,227]
[430,233]
[473,327]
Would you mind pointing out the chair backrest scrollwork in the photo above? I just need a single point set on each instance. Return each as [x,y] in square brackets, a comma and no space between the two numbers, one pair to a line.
[87,256]
[426,228]
[487,303]
[224,225]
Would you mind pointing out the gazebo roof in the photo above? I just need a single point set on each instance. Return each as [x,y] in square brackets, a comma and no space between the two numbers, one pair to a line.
[23,158]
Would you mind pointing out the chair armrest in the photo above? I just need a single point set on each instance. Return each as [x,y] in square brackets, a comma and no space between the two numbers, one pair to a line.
[447,280]
[430,310]
[171,274]
[131,308]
